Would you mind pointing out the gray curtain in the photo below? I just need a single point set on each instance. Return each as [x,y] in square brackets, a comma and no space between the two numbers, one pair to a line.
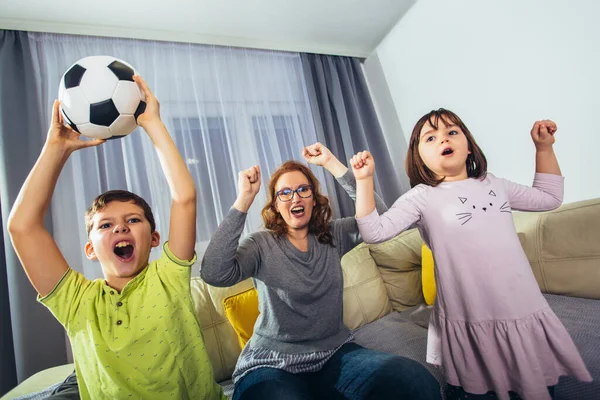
[38,339]
[8,372]
[346,121]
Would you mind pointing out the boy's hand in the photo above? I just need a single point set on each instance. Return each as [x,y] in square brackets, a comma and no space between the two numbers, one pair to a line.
[542,134]
[248,187]
[60,134]
[152,112]
[317,154]
[363,165]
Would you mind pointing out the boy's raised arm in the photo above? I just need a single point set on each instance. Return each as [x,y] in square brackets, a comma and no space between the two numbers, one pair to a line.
[182,229]
[43,262]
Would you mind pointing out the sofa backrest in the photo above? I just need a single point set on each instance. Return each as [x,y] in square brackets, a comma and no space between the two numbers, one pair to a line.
[563,247]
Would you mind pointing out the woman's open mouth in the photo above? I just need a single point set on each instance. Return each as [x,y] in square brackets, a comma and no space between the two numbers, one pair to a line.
[297,211]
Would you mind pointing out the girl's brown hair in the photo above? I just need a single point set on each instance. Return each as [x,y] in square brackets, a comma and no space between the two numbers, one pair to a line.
[321,213]
[416,169]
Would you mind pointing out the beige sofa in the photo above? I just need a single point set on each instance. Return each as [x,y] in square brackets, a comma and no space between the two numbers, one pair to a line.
[382,290]
[563,247]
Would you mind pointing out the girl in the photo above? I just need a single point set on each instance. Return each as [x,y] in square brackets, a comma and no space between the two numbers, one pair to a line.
[301,348]
[491,330]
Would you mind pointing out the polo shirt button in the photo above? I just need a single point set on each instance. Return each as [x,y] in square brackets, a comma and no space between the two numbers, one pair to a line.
[119,304]
[112,292]
[119,322]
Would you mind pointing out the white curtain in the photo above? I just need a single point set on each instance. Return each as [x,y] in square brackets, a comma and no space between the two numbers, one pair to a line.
[226,109]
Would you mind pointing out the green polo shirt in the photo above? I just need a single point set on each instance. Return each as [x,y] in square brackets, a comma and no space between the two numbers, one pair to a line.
[142,343]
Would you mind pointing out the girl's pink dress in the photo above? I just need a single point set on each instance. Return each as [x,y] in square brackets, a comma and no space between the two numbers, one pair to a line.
[491,328]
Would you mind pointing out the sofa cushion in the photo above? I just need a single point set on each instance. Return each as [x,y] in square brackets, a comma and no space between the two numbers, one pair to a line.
[399,262]
[219,337]
[563,248]
[241,311]
[427,275]
[581,318]
[365,296]
[42,384]
[395,334]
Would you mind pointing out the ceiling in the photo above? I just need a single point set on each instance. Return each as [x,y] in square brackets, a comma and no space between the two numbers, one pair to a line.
[340,27]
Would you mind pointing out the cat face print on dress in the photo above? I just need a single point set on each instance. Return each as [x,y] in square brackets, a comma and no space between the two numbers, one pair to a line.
[493,205]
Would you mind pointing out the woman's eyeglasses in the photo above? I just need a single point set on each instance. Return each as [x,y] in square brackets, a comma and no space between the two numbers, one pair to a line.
[287,194]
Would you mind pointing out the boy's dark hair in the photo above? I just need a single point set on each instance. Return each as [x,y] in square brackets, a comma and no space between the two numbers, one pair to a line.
[416,169]
[117,195]
[321,213]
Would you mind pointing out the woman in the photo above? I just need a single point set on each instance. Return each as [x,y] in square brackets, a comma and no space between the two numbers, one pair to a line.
[301,348]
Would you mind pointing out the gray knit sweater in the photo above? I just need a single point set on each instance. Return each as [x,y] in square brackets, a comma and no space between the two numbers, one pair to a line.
[300,293]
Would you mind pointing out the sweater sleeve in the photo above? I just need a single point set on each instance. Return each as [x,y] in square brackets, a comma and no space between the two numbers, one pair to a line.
[347,235]
[545,194]
[228,261]
[348,182]
[406,211]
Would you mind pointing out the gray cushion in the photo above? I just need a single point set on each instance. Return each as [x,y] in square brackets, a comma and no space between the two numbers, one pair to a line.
[581,317]
[395,334]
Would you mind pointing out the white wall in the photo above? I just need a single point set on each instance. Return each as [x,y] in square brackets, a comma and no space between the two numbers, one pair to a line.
[501,65]
[388,118]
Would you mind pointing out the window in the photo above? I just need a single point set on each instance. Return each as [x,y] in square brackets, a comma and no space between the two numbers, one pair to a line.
[277,139]
[205,145]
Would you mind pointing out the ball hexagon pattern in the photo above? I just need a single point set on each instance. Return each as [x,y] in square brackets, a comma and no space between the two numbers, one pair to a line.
[99,98]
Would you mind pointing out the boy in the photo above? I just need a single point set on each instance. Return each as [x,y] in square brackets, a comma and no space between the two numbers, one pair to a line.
[135,334]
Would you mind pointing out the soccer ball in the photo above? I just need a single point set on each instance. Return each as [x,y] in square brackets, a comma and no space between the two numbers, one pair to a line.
[99,99]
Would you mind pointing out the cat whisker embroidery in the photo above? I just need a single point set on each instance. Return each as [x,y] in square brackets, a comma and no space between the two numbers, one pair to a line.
[466,216]
[505,208]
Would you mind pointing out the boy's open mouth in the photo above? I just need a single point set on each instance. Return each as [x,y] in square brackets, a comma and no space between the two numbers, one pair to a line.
[124,250]
[297,211]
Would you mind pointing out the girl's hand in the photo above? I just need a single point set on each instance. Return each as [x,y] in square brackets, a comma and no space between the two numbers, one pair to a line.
[317,154]
[248,187]
[363,165]
[542,134]
[152,112]
[62,135]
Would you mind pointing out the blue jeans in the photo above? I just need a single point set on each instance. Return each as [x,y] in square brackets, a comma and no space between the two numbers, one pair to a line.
[353,372]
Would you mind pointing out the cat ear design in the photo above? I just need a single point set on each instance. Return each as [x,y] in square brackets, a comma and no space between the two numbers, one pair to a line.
[491,193]
[462,199]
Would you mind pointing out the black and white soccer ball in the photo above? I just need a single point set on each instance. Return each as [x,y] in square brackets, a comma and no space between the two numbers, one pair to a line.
[99,98]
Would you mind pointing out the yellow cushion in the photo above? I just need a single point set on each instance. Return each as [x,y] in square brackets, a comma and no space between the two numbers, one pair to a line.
[428,277]
[241,310]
